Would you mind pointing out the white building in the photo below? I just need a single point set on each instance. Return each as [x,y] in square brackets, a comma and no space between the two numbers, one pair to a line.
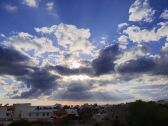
[72,111]
[6,114]
[21,111]
[30,113]
[42,112]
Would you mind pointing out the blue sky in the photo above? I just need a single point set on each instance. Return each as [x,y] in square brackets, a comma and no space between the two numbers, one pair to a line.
[104,50]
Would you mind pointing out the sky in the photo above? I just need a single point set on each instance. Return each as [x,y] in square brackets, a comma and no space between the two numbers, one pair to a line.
[83,51]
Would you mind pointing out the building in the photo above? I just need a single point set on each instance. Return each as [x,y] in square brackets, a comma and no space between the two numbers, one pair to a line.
[21,111]
[72,111]
[6,114]
[42,113]
[33,113]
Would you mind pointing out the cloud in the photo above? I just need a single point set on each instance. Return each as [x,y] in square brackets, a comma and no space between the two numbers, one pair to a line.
[50,9]
[69,69]
[165,47]
[77,91]
[39,82]
[103,40]
[123,41]
[140,65]
[84,91]
[70,37]
[95,96]
[131,54]
[140,10]
[135,34]
[153,92]
[164,15]
[10,8]
[2,35]
[63,70]
[145,64]
[105,61]
[31,3]
[122,25]
[49,6]
[34,47]
[138,35]
[25,42]
[73,41]
[13,63]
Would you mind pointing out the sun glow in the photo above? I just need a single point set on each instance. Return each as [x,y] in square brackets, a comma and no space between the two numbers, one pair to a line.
[75,64]
[76,77]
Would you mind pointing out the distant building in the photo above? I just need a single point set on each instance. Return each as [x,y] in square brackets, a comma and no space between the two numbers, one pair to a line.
[32,113]
[6,114]
[21,111]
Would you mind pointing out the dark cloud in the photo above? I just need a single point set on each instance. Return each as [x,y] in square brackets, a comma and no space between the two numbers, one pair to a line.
[12,62]
[162,64]
[40,82]
[146,64]
[81,91]
[105,61]
[101,65]
[92,96]
[139,65]
[85,95]
[63,70]
[76,90]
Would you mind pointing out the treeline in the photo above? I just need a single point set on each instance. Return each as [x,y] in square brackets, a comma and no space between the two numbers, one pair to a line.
[148,114]
[140,113]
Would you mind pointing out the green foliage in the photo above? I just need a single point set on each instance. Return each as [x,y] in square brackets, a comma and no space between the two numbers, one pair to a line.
[86,114]
[147,114]
[20,123]
[67,121]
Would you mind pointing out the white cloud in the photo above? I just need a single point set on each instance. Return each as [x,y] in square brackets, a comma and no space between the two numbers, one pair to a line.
[70,46]
[70,37]
[49,6]
[10,8]
[165,47]
[31,3]
[26,42]
[138,35]
[50,9]
[132,54]
[2,35]
[73,41]
[163,30]
[123,41]
[103,40]
[120,26]
[32,46]
[164,15]
[140,10]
